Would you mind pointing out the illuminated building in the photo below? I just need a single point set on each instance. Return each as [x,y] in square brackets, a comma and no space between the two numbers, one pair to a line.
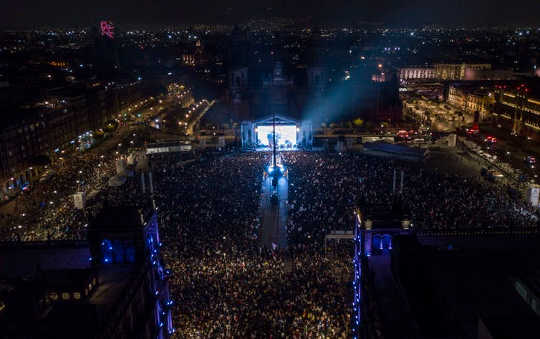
[188,59]
[444,72]
[417,73]
[457,71]
[518,102]
[375,231]
[471,99]
[59,64]
[126,236]
[111,286]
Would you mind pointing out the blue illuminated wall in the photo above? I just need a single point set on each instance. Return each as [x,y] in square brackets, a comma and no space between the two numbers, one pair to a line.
[117,251]
[357,279]
[160,276]
[139,245]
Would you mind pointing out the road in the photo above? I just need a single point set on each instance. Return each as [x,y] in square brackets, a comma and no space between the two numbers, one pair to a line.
[194,122]
[274,216]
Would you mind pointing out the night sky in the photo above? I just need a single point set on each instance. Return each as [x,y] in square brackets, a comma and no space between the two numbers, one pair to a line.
[401,12]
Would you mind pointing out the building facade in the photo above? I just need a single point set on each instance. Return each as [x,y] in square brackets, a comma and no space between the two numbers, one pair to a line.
[472,100]
[112,286]
[417,73]
[59,119]
[442,72]
[457,71]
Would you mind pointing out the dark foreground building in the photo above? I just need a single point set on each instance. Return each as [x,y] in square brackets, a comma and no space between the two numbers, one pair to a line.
[111,286]
[450,284]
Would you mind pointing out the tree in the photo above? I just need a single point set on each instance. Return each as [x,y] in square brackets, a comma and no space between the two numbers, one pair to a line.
[358,122]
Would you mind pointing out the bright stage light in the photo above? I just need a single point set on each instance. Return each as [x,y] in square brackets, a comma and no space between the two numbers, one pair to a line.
[279,167]
[285,135]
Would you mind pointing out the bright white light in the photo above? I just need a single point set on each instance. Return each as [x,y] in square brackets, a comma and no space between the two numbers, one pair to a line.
[284,134]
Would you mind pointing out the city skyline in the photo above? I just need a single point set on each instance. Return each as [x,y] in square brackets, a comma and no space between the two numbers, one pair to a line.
[390,12]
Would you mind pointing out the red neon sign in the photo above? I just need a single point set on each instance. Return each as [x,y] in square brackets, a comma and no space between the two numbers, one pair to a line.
[107,29]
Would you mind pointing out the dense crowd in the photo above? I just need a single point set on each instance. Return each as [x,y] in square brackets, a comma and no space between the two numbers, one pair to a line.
[324,189]
[225,283]
[46,211]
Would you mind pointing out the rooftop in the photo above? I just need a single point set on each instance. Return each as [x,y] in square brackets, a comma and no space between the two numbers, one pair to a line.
[450,290]
[26,259]
[118,217]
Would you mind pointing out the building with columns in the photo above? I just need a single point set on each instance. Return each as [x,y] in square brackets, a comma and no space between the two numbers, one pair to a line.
[417,73]
[441,72]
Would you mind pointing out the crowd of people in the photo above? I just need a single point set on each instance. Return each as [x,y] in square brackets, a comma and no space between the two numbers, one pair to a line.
[225,283]
[47,211]
[325,188]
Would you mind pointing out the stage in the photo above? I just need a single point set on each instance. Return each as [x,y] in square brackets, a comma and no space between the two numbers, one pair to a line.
[289,133]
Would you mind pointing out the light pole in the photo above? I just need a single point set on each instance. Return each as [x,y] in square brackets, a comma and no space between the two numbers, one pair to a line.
[274,139]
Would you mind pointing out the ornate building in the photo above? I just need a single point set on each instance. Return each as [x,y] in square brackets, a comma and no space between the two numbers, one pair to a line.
[447,72]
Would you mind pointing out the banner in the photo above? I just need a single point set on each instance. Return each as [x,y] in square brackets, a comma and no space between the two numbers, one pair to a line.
[79,200]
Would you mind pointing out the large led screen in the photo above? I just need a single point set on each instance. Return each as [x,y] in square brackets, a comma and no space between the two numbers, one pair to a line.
[285,135]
